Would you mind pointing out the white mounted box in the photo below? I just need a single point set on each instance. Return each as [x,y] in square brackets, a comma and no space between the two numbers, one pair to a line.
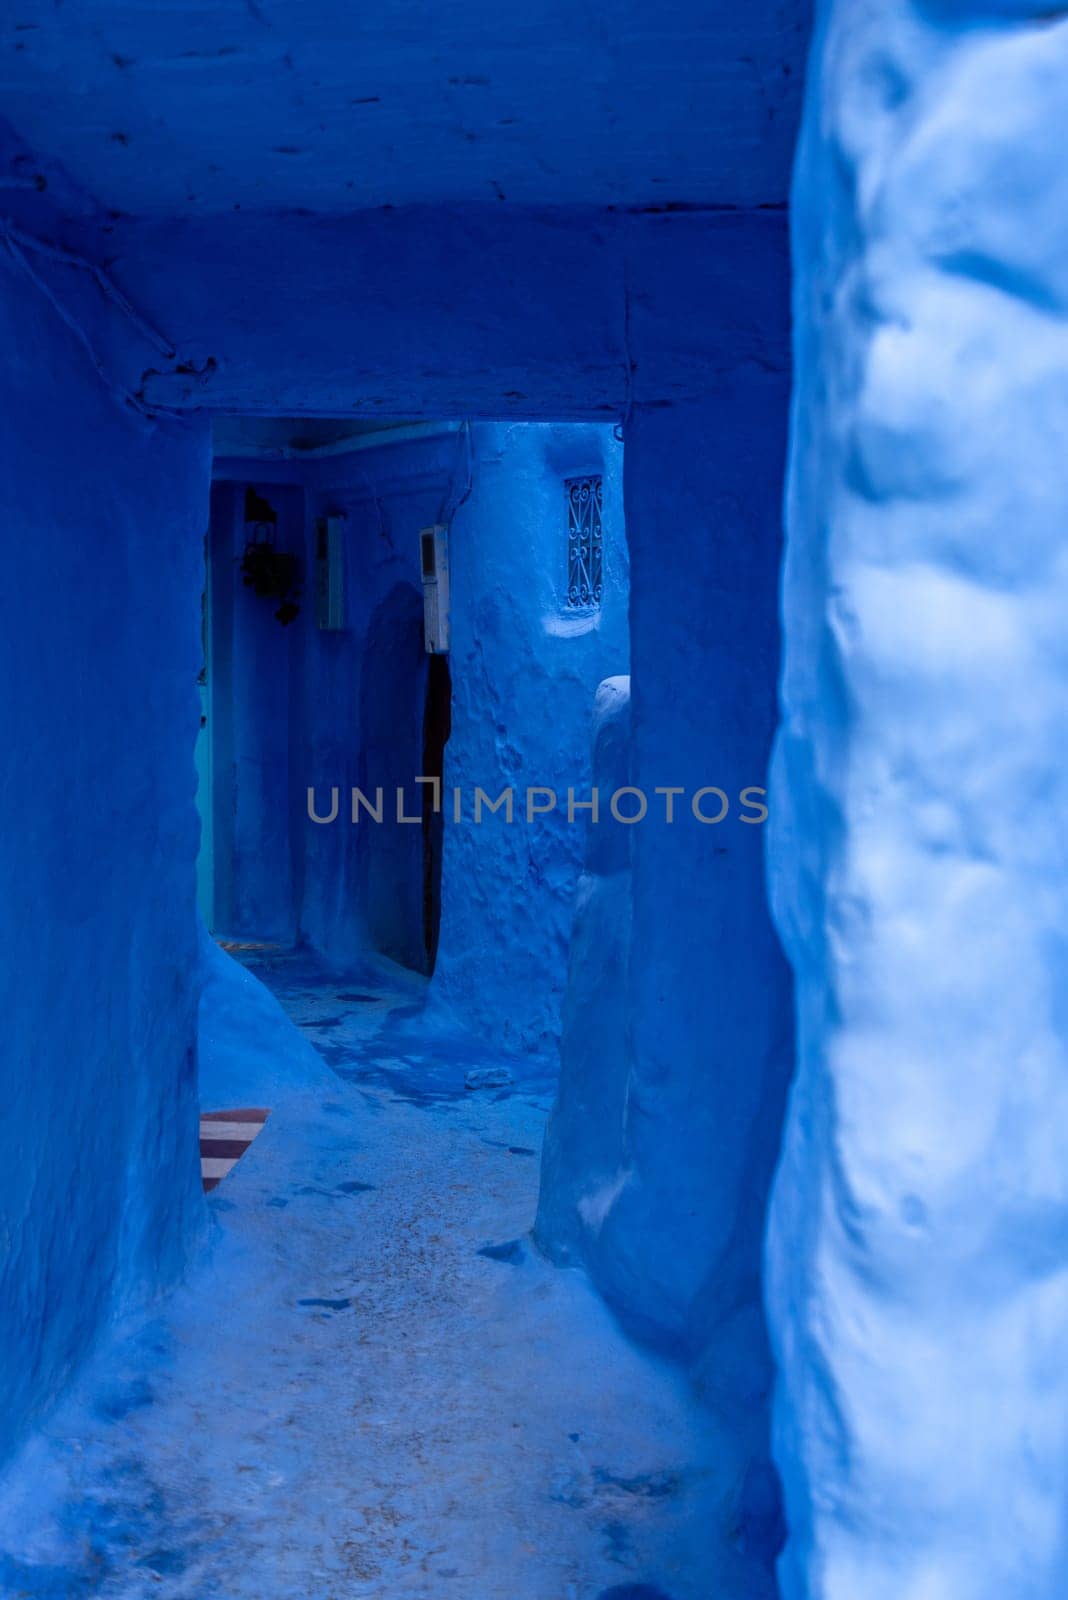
[434,566]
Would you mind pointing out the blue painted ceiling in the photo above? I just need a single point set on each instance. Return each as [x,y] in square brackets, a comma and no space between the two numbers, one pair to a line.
[164,108]
[278,438]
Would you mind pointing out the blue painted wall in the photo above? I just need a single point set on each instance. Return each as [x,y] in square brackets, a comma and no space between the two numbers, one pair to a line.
[103,515]
[918,1250]
[525,669]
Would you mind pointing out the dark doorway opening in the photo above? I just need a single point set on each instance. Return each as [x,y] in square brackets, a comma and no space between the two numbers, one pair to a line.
[404,717]
[437,724]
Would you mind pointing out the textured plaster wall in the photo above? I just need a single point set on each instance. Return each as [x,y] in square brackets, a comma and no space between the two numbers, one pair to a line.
[103,516]
[525,669]
[919,1246]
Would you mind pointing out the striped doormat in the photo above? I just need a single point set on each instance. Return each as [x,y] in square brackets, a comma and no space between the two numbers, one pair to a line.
[224,1138]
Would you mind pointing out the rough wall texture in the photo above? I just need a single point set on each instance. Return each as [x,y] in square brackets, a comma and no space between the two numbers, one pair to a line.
[919,1244]
[102,516]
[525,671]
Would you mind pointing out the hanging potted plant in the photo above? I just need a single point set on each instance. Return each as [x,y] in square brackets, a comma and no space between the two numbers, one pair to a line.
[271,573]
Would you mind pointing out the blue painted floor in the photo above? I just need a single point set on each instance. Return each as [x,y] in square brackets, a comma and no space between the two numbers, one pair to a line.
[371,1385]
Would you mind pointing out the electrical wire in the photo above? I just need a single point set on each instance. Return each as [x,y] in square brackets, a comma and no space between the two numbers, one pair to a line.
[450,505]
[67,258]
[18,243]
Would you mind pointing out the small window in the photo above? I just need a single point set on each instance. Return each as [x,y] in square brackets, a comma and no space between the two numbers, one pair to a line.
[585,551]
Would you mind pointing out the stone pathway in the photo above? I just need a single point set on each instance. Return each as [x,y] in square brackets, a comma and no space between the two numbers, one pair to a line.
[371,1385]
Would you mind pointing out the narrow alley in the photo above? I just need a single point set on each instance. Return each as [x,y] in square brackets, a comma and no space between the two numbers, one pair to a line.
[533,933]
[373,1385]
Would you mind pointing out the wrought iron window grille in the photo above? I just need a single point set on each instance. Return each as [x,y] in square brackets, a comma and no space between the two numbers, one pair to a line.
[585,542]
